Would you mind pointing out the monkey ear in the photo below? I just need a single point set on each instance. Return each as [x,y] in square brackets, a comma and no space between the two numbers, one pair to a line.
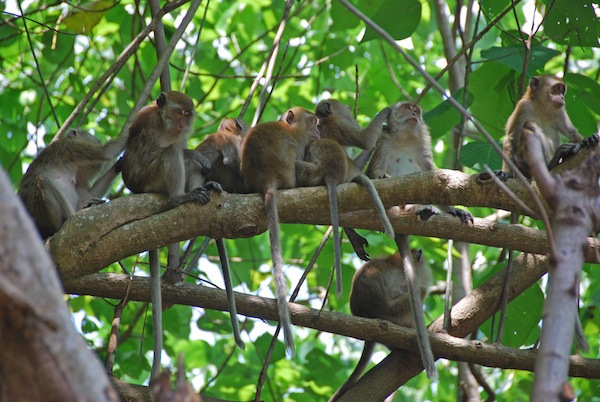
[71,133]
[418,255]
[328,107]
[534,83]
[162,100]
[289,117]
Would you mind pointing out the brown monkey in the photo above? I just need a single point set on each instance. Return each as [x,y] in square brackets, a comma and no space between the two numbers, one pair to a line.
[222,149]
[269,154]
[544,105]
[337,123]
[157,160]
[62,178]
[326,163]
[405,149]
[380,290]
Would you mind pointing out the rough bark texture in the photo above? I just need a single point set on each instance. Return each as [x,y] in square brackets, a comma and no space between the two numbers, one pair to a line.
[42,357]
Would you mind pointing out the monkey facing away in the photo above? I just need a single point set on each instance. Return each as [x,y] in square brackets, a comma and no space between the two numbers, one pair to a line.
[380,290]
[337,123]
[327,163]
[222,149]
[544,105]
[157,160]
[62,178]
[269,154]
[405,149]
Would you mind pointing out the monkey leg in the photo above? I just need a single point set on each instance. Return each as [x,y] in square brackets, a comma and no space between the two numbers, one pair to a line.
[358,243]
[229,290]
[416,306]
[368,185]
[426,212]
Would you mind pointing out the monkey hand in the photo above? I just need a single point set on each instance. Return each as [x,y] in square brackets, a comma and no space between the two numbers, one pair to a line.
[358,244]
[503,176]
[213,185]
[426,212]
[591,141]
[200,194]
[92,201]
[464,216]
[563,152]
[385,112]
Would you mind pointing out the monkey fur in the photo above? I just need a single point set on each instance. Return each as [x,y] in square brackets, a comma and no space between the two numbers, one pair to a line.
[156,160]
[380,290]
[222,149]
[62,178]
[543,104]
[269,154]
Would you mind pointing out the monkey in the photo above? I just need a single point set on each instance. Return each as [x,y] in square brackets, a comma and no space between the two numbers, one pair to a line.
[326,163]
[269,154]
[543,104]
[403,149]
[337,123]
[62,178]
[157,160]
[380,290]
[222,149]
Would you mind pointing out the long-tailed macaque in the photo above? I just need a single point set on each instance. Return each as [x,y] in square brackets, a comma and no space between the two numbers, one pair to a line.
[62,178]
[380,290]
[269,154]
[406,148]
[157,160]
[337,123]
[544,105]
[326,163]
[222,149]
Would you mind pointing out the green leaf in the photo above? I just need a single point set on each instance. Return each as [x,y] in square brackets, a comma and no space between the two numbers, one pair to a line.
[514,57]
[474,154]
[399,18]
[572,23]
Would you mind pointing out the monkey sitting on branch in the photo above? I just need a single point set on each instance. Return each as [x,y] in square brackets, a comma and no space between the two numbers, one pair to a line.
[380,290]
[543,104]
[222,149]
[326,163]
[156,160]
[63,178]
[404,149]
[269,154]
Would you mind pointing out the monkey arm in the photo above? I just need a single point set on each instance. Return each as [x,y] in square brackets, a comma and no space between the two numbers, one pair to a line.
[114,147]
[196,157]
[102,185]
[231,157]
[372,132]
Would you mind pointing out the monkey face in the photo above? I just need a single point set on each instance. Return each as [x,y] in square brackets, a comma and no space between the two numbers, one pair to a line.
[557,95]
[406,113]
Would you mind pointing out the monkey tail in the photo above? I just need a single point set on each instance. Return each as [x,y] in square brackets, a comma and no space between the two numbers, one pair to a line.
[229,290]
[276,256]
[368,185]
[416,306]
[363,362]
[337,249]
[156,298]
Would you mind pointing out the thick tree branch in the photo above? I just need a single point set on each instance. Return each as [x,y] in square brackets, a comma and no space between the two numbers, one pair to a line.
[114,286]
[96,237]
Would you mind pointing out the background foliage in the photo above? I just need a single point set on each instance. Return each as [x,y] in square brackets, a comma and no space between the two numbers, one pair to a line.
[325,46]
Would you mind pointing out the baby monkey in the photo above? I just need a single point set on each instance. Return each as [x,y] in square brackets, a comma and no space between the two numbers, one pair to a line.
[222,149]
[62,178]
[543,104]
[380,290]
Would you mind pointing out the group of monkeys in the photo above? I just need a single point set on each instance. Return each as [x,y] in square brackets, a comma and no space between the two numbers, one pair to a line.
[301,149]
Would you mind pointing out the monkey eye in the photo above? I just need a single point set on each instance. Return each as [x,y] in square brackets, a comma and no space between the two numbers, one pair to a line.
[559,89]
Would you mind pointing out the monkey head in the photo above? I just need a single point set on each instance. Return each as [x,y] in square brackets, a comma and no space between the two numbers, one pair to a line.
[177,113]
[303,121]
[547,89]
[235,126]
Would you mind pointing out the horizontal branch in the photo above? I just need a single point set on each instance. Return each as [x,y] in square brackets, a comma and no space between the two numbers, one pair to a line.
[115,286]
[98,236]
